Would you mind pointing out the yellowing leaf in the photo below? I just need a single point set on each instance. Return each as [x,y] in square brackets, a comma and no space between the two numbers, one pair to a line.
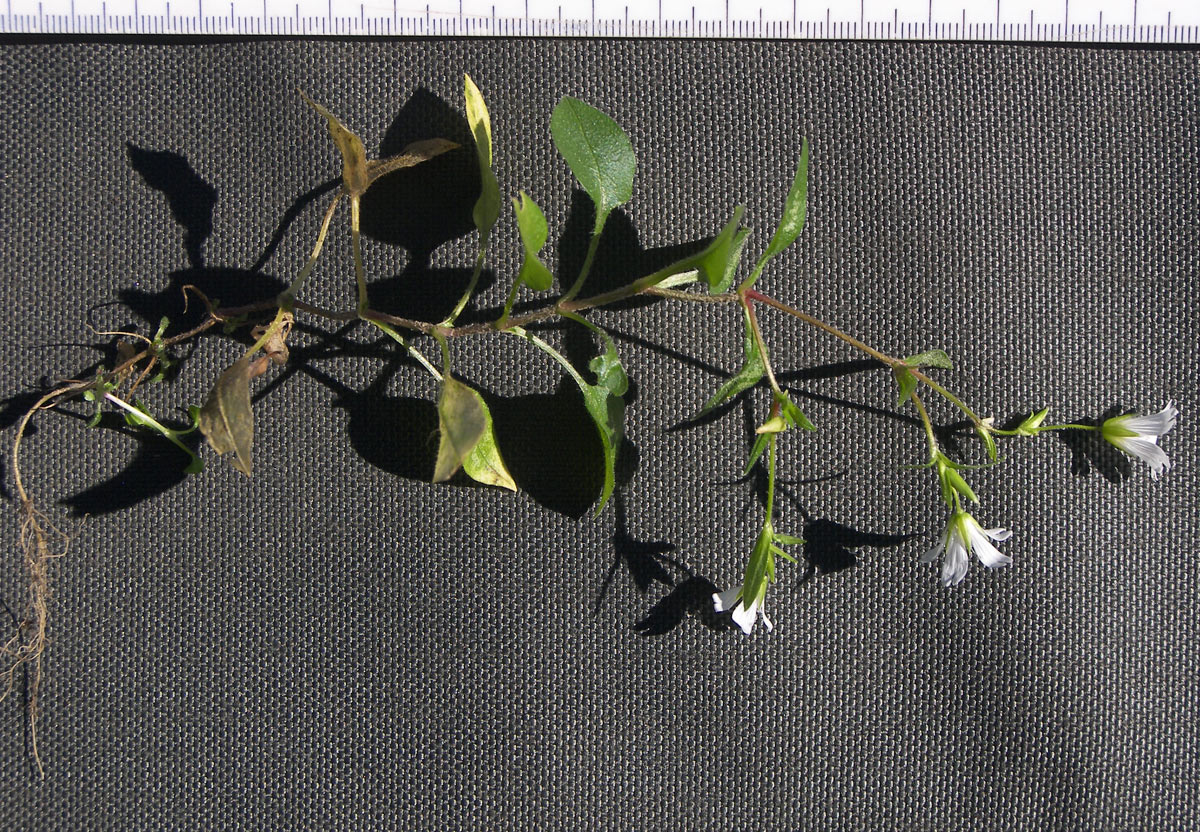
[462,421]
[480,121]
[484,464]
[226,419]
[354,155]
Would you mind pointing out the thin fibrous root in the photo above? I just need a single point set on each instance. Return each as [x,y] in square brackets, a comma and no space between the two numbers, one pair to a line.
[41,542]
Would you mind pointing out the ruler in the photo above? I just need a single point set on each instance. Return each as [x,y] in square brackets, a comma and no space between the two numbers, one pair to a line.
[1068,21]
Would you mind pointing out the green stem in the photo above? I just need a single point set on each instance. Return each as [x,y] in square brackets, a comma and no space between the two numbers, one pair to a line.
[466,296]
[930,436]
[288,297]
[508,305]
[550,351]
[771,476]
[889,360]
[360,276]
[145,417]
[758,339]
[413,351]
[587,262]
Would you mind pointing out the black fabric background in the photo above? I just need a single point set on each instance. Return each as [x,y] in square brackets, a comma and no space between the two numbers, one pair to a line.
[336,643]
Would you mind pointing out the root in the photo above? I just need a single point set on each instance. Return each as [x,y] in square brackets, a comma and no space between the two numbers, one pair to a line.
[41,542]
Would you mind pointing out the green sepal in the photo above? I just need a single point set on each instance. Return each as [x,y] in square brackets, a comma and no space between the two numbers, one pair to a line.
[749,375]
[989,443]
[1031,424]
[788,540]
[531,223]
[598,153]
[760,568]
[951,481]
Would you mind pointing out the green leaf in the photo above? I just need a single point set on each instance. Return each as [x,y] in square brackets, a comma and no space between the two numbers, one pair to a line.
[484,463]
[681,279]
[609,372]
[604,403]
[907,382]
[134,420]
[598,153]
[487,207]
[788,540]
[461,423]
[531,223]
[718,262]
[756,452]
[795,209]
[605,407]
[226,419]
[930,358]
[354,155]
[750,374]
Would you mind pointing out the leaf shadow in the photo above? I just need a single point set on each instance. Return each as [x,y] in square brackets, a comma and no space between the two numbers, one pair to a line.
[422,207]
[157,466]
[190,198]
[620,257]
[423,293]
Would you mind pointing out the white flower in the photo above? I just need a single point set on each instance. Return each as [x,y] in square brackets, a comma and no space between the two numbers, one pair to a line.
[745,617]
[964,535]
[1138,436]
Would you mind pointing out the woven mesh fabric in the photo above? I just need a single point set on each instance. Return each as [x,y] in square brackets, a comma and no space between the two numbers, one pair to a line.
[337,643]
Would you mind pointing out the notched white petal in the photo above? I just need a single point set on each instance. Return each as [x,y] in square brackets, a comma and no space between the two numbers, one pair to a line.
[1148,451]
[724,601]
[745,618]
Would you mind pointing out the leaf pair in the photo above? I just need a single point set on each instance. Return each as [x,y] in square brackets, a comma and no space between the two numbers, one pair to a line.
[359,172]
[467,437]
[907,381]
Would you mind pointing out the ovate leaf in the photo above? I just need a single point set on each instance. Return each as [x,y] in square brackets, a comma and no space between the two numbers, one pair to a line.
[484,463]
[462,421]
[354,155]
[226,419]
[531,223]
[487,207]
[930,358]
[750,374]
[598,153]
